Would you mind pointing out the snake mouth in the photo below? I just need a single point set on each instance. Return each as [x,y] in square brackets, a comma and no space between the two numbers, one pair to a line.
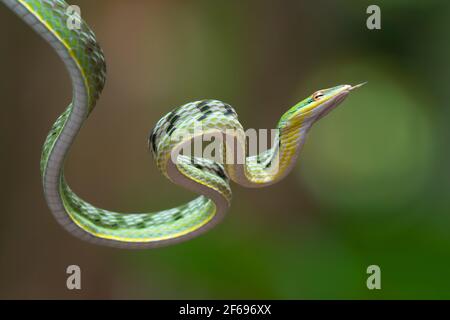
[336,100]
[332,104]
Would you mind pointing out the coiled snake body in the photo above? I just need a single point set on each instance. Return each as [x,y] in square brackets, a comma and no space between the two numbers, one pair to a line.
[85,63]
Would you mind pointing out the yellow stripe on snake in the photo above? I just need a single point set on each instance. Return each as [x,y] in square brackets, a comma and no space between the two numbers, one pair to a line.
[84,60]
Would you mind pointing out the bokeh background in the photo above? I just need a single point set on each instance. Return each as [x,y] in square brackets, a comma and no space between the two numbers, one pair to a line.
[371,187]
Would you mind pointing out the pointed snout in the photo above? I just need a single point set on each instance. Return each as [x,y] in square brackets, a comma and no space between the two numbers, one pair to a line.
[357,86]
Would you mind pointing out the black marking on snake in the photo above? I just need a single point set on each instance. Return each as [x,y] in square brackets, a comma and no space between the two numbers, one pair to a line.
[274,154]
[228,110]
[173,117]
[177,216]
[205,108]
[141,225]
[148,218]
[171,114]
[203,104]
[120,220]
[152,140]
[205,115]
[258,158]
[220,172]
[198,166]
[170,129]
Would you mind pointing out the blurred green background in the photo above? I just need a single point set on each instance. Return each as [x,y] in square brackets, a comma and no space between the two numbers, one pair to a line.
[371,186]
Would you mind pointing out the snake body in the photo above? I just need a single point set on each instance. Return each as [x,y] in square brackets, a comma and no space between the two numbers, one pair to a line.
[84,60]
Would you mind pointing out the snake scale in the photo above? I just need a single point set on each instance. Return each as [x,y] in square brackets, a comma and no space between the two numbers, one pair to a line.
[84,60]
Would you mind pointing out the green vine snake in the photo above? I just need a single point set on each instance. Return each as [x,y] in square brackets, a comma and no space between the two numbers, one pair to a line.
[84,60]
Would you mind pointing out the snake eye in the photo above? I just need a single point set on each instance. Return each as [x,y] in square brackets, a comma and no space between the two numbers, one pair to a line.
[317,95]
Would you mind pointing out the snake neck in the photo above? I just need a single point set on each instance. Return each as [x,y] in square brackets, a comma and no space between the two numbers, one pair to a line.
[288,144]
[273,165]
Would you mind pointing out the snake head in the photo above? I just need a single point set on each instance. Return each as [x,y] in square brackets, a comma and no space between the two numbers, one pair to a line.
[317,105]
